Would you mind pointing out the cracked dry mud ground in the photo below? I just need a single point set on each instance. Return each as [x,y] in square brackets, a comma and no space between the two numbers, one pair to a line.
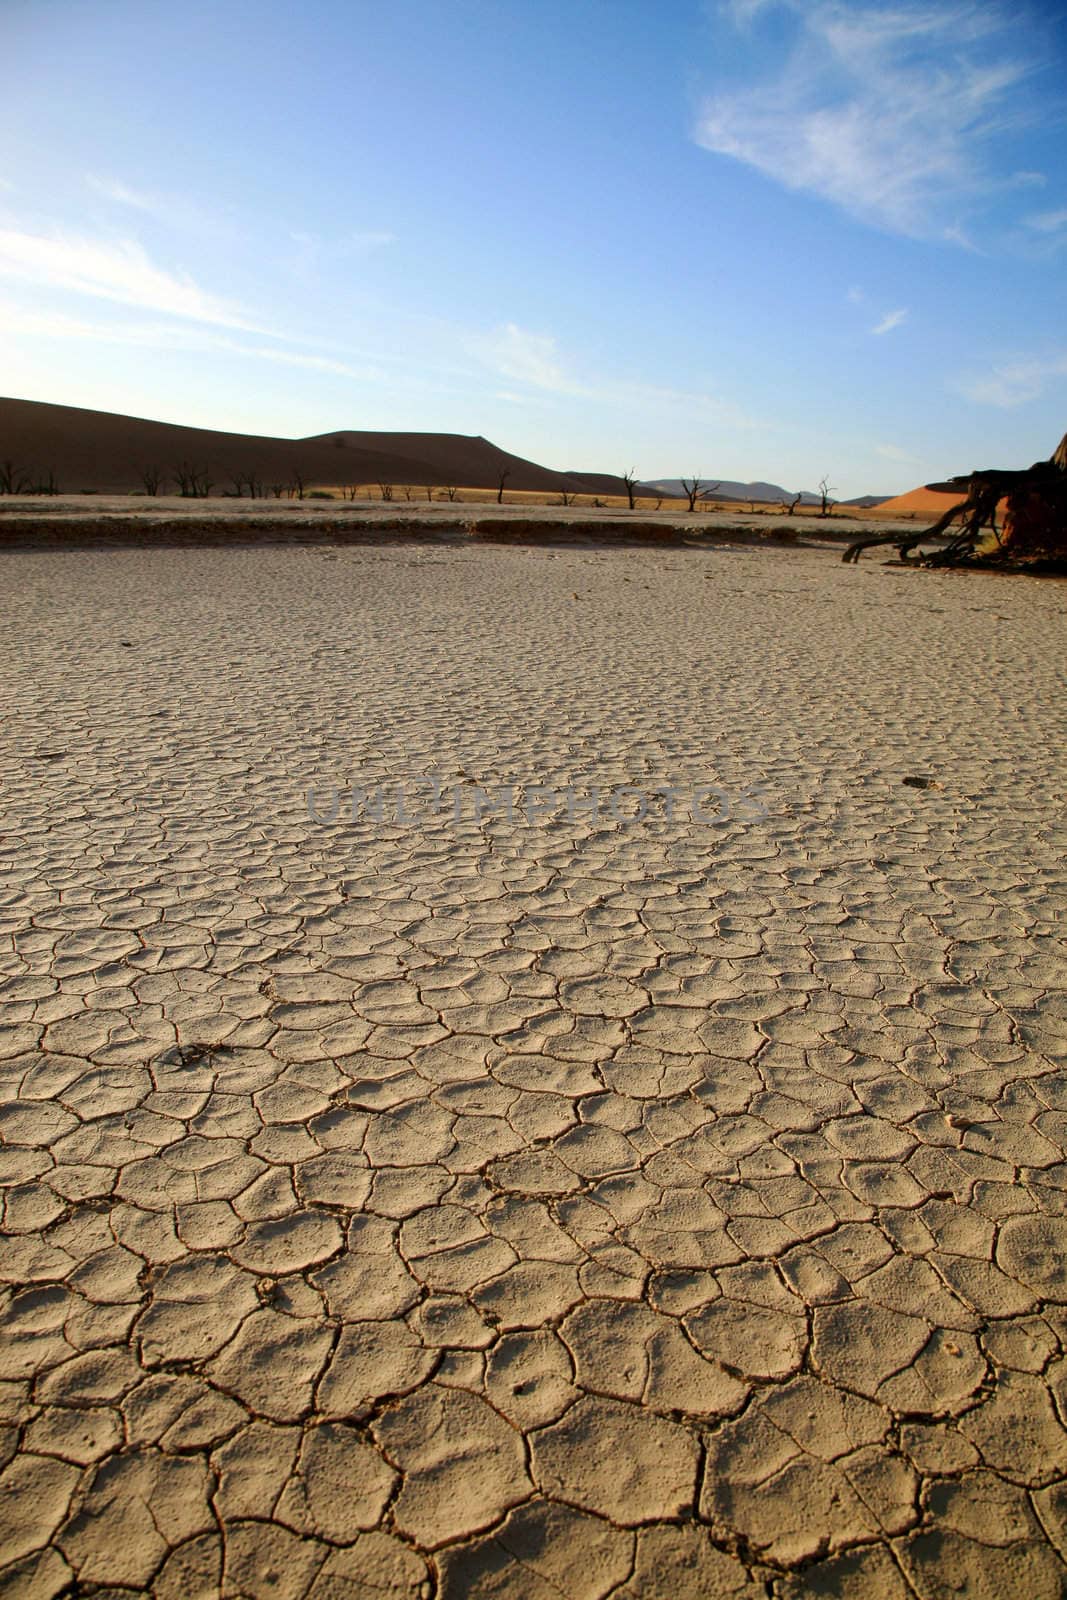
[568,1209]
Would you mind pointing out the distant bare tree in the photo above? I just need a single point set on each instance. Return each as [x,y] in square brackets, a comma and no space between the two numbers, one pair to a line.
[429,493]
[565,497]
[349,491]
[277,490]
[693,489]
[450,490]
[47,485]
[658,504]
[246,480]
[153,479]
[630,480]
[790,509]
[296,486]
[194,483]
[826,489]
[504,476]
[387,490]
[14,480]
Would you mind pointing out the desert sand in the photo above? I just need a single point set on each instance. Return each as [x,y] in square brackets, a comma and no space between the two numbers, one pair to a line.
[929,503]
[432,1203]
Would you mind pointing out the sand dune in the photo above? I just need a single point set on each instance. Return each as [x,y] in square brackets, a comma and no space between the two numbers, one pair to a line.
[108,453]
[928,502]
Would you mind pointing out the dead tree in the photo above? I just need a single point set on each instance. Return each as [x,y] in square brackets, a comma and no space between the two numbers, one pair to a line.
[295,488]
[1034,526]
[14,480]
[504,476]
[450,490]
[241,481]
[790,509]
[565,497]
[386,490]
[194,483]
[152,480]
[694,489]
[826,489]
[630,480]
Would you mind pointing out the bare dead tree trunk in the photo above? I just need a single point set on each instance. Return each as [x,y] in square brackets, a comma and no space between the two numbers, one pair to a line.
[504,476]
[14,480]
[1035,526]
[692,487]
[629,479]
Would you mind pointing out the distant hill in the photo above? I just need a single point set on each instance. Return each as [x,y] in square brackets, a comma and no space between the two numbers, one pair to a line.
[866,501]
[730,489]
[106,452]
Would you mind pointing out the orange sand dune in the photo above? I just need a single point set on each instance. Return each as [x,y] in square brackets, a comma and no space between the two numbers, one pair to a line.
[927,501]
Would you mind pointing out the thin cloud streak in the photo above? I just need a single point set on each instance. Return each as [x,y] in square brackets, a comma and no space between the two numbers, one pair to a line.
[891,320]
[525,357]
[901,157]
[1015,383]
[154,336]
[534,359]
[119,270]
[1048,221]
[121,194]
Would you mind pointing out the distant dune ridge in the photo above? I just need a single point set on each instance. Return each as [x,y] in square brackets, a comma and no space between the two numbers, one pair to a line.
[106,453]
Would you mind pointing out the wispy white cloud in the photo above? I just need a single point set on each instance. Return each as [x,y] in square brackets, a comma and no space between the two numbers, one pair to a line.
[527,357]
[886,111]
[893,452]
[1048,221]
[891,320]
[118,270]
[954,234]
[535,359]
[15,319]
[121,194]
[1014,383]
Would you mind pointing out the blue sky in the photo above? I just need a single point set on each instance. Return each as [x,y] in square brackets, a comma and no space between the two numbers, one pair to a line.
[774,238]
